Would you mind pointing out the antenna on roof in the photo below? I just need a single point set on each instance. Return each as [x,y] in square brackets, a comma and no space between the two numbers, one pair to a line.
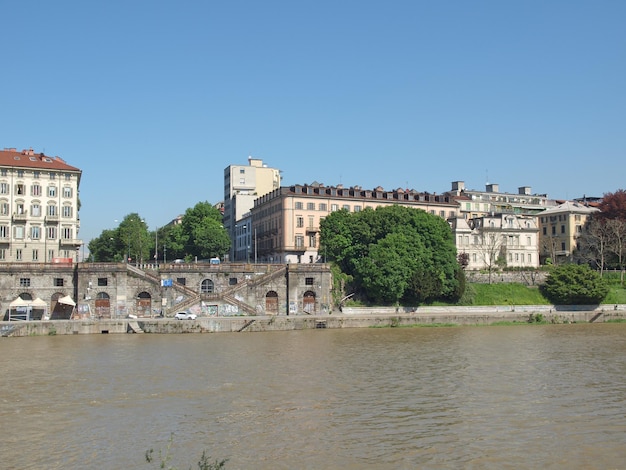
[487,176]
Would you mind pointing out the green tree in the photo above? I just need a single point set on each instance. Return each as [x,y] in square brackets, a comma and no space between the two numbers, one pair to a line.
[106,248]
[394,253]
[574,284]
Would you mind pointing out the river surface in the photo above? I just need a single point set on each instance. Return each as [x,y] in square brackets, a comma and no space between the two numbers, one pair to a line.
[518,397]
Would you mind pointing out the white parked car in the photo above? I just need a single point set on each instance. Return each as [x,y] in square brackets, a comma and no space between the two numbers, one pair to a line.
[185,316]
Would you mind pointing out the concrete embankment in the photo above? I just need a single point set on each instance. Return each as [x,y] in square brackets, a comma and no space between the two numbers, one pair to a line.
[349,318]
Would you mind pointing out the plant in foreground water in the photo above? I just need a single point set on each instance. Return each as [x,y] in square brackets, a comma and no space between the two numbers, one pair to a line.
[204,463]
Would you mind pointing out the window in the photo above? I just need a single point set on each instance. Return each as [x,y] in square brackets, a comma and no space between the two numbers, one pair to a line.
[35,255]
[334,207]
[18,231]
[35,232]
[4,208]
[242,171]
[19,208]
[35,190]
[323,206]
[310,206]
[299,221]
[68,176]
[19,189]
[311,222]
[20,173]
[67,192]
[207,286]
[182,281]
[4,231]
[4,188]
[308,281]
[58,282]
[529,258]
[474,257]
[52,210]
[357,208]
[312,240]
[554,230]
[18,254]
[232,281]
[35,210]
[67,233]
[52,191]
[299,241]
[67,211]
[562,228]
[563,246]
[24,281]
[346,207]
[528,241]
[299,205]
[3,254]
[50,254]
[51,233]
[545,230]
[103,281]
[36,174]
[52,175]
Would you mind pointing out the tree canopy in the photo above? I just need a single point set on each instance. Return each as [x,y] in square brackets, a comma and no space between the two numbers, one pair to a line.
[394,254]
[200,235]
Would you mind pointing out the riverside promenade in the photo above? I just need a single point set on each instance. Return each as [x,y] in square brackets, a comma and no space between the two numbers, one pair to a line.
[355,317]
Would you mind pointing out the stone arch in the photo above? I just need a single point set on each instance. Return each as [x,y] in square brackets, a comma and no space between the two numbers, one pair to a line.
[143,304]
[59,311]
[271,302]
[103,305]
[207,286]
[308,302]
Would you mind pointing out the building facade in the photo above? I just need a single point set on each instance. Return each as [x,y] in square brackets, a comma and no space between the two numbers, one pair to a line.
[286,222]
[473,203]
[39,221]
[242,185]
[560,226]
[497,241]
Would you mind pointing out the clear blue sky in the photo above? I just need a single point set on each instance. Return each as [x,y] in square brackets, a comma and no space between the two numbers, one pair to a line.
[153,99]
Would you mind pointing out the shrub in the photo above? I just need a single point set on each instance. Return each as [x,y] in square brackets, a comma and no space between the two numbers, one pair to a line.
[573,284]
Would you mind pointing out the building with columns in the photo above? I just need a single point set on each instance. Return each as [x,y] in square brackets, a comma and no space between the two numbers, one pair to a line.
[39,220]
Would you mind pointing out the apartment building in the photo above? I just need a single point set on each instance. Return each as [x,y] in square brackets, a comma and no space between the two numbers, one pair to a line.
[499,240]
[475,203]
[39,219]
[285,222]
[560,226]
[242,185]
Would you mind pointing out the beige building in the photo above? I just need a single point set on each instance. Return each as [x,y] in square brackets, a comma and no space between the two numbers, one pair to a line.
[38,208]
[500,240]
[285,222]
[473,203]
[242,185]
[560,227]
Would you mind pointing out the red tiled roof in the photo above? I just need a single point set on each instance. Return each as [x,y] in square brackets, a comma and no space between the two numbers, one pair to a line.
[30,159]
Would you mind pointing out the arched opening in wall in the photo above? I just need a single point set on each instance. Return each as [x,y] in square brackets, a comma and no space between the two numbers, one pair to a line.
[271,302]
[143,306]
[308,302]
[103,305]
[207,287]
[61,310]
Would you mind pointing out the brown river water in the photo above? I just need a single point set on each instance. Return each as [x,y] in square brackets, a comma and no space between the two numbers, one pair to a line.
[518,397]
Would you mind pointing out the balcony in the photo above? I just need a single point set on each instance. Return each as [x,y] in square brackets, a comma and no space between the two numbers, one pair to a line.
[52,218]
[73,242]
[20,216]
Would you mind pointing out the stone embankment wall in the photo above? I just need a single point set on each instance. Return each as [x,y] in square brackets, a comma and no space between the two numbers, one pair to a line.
[528,278]
[353,318]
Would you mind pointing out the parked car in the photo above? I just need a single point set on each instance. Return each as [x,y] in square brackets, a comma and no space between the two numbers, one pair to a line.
[185,316]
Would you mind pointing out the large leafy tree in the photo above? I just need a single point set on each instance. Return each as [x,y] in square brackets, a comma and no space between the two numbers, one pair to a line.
[613,205]
[574,284]
[393,253]
[203,233]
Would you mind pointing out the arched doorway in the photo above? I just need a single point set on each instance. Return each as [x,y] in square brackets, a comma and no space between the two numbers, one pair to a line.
[308,302]
[60,310]
[207,287]
[103,305]
[143,306]
[271,302]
